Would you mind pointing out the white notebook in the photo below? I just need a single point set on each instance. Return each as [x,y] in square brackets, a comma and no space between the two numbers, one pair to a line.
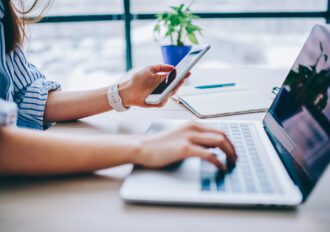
[225,103]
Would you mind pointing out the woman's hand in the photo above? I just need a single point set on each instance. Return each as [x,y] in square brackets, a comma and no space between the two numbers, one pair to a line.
[134,91]
[192,140]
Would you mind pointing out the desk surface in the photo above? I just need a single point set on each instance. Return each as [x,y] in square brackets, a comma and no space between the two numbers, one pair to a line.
[92,202]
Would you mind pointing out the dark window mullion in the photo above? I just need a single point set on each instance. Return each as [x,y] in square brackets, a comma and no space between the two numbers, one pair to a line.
[128,37]
[328,13]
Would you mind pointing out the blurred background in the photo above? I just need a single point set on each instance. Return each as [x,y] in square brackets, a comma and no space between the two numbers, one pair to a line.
[71,42]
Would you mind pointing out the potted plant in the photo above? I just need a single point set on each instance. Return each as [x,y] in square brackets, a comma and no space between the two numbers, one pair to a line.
[176,25]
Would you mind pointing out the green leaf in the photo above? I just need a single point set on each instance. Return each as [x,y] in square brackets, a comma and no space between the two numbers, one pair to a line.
[179,9]
[164,16]
[175,20]
[192,38]
[175,8]
[192,27]
[183,14]
[189,30]
[157,28]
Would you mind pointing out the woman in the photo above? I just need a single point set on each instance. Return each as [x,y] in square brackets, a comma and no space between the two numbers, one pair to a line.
[40,103]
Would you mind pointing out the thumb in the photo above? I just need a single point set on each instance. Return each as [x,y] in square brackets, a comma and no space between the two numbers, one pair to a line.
[159,77]
[161,68]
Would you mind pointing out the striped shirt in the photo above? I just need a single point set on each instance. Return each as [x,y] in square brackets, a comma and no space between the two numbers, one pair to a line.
[21,83]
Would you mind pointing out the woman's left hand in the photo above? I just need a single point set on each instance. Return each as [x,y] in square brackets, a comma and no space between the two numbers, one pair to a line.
[134,91]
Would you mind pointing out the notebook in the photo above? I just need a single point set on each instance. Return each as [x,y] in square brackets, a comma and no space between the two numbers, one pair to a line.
[224,102]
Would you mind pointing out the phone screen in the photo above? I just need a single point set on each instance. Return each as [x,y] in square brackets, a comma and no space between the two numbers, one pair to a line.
[177,71]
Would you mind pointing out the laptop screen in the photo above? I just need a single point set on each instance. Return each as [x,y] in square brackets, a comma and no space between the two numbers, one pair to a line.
[298,121]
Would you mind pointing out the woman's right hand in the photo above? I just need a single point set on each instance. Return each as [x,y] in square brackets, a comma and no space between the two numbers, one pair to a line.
[191,140]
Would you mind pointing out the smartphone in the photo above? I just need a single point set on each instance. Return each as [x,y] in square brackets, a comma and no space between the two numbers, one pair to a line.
[176,75]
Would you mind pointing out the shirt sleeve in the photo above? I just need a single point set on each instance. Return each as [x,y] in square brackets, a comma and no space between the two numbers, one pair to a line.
[8,113]
[30,92]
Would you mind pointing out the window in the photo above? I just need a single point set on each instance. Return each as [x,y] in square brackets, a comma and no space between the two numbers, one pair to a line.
[81,50]
[98,48]
[270,43]
[149,6]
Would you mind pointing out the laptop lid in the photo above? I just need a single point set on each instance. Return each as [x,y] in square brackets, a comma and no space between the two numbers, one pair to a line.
[298,122]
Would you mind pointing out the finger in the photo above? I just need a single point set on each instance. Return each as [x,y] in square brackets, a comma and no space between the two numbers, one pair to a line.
[187,75]
[205,154]
[210,139]
[179,84]
[161,68]
[157,79]
[202,128]
[160,76]
[163,103]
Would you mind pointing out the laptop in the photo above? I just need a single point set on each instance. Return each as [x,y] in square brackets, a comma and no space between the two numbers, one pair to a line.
[280,159]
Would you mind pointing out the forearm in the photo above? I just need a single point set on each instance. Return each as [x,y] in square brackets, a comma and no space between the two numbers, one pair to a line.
[24,152]
[65,106]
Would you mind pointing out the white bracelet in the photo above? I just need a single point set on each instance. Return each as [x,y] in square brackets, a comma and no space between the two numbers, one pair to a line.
[114,98]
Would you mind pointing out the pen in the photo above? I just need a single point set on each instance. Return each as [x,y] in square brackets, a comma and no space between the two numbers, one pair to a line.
[215,86]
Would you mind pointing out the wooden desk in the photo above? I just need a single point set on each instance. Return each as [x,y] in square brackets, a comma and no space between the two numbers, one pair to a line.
[92,202]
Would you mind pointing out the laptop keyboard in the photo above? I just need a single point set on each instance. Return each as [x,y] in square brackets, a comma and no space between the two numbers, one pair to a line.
[249,174]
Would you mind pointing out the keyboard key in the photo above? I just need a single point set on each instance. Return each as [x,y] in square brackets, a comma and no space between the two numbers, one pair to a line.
[266,188]
[250,187]
[234,181]
[249,173]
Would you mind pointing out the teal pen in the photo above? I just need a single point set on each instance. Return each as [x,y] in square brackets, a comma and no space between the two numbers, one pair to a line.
[215,86]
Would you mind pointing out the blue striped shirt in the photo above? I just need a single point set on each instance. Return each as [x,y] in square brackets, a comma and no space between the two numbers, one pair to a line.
[23,84]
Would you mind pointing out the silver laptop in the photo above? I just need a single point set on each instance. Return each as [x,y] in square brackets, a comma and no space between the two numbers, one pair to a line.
[279,159]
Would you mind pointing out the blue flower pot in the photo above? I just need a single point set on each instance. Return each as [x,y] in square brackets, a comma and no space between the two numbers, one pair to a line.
[173,54]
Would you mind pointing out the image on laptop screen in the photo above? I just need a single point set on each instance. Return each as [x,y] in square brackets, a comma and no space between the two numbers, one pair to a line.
[299,118]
